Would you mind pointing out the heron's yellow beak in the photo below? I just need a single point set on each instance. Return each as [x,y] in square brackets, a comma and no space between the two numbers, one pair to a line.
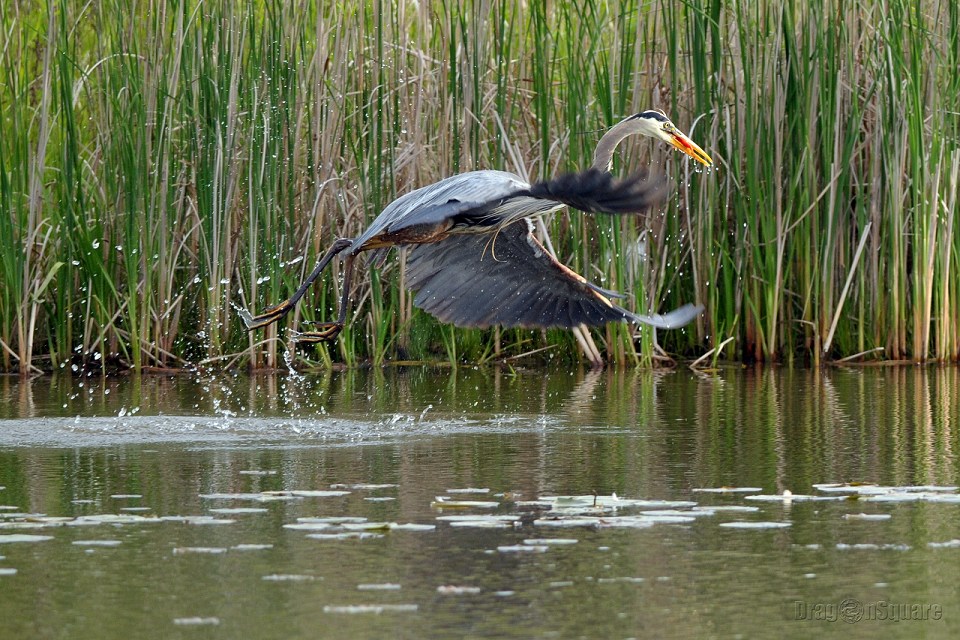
[689,147]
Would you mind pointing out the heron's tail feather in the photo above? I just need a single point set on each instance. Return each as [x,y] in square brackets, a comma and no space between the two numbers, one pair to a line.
[596,191]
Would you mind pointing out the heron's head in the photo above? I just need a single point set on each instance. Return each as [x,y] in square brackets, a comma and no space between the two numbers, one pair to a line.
[656,124]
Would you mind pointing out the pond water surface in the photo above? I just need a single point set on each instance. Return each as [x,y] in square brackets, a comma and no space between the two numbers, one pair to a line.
[424,503]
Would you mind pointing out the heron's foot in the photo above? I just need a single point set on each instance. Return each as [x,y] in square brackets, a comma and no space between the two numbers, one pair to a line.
[269,316]
[327,332]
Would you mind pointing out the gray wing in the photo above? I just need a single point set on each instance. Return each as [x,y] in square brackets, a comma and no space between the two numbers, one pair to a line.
[447,198]
[509,279]
[481,200]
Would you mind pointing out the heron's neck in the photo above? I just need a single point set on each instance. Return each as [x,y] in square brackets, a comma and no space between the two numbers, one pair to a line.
[603,156]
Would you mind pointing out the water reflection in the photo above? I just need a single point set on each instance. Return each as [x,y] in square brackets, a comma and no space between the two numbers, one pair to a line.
[74,448]
[771,428]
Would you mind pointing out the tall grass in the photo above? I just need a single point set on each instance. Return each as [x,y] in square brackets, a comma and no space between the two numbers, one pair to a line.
[163,162]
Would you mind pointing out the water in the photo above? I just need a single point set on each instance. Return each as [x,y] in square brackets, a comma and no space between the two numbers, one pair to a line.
[202,474]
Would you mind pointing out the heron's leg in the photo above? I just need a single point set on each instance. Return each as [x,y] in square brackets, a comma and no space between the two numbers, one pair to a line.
[273,314]
[330,330]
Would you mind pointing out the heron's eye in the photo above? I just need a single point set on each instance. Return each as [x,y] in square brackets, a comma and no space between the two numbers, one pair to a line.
[668,127]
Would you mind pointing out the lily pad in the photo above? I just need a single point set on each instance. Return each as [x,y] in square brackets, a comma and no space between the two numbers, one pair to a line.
[621,579]
[7,526]
[929,488]
[252,547]
[949,544]
[482,524]
[914,496]
[371,608]
[731,508]
[379,586]
[523,548]
[308,526]
[256,497]
[642,522]
[196,621]
[208,520]
[332,519]
[111,518]
[345,535]
[443,502]
[869,546]
[867,516]
[239,510]
[22,537]
[479,518]
[412,526]
[859,489]
[372,487]
[368,526]
[942,497]
[311,493]
[759,524]
[686,515]
[568,521]
[457,590]
[177,551]
[788,497]
[612,502]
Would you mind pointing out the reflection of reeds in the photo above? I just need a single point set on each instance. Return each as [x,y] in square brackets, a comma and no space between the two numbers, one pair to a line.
[789,429]
[774,428]
[161,162]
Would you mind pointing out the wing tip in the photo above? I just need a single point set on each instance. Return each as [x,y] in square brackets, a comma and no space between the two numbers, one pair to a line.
[598,191]
[675,319]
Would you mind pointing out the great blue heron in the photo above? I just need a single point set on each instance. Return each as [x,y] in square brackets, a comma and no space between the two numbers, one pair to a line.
[474,261]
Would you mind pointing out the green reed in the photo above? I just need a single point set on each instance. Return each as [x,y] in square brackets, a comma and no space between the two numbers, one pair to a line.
[164,162]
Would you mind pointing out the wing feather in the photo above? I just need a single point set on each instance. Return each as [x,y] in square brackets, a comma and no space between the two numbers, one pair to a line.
[473,280]
[479,200]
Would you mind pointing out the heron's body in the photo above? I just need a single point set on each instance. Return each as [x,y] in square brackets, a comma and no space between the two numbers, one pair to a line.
[424,215]
[474,260]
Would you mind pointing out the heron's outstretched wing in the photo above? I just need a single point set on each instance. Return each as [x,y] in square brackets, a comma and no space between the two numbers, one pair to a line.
[596,191]
[590,191]
[437,204]
[509,279]
[480,200]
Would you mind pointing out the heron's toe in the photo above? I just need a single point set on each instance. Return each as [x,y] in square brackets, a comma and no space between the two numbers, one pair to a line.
[269,316]
[327,332]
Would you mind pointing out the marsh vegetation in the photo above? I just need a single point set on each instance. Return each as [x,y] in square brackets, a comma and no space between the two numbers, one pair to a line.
[163,162]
